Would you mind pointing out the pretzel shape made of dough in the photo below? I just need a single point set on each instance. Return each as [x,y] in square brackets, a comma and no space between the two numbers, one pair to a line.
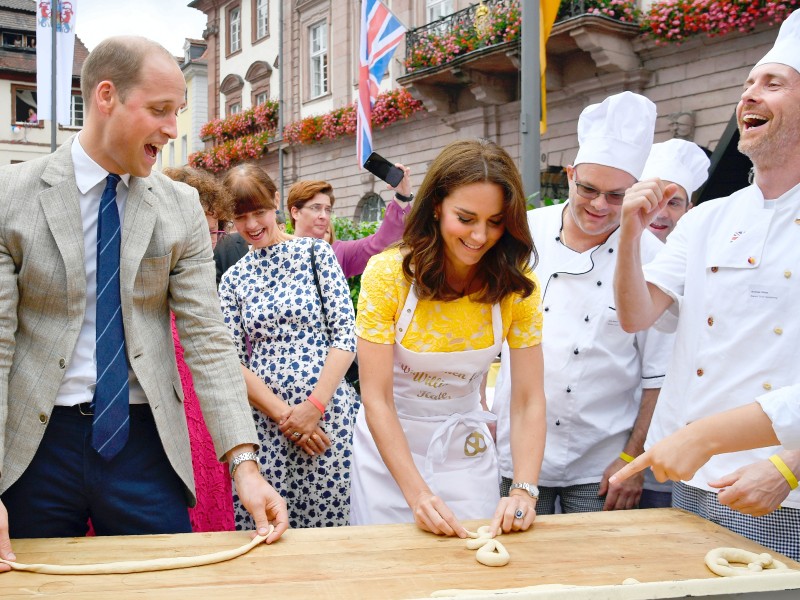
[141,566]
[490,551]
[719,561]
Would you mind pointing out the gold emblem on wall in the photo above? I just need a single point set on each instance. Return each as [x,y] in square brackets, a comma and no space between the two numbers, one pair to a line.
[474,444]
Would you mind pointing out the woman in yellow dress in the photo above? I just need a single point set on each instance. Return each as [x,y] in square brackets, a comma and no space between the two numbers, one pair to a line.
[432,315]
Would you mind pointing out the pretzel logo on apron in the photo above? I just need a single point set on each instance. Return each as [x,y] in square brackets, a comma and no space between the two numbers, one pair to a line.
[475,444]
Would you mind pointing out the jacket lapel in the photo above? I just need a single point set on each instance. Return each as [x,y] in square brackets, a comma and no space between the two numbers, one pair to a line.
[62,211]
[137,233]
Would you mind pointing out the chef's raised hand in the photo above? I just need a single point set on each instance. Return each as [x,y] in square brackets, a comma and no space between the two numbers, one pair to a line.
[5,542]
[432,514]
[676,457]
[643,201]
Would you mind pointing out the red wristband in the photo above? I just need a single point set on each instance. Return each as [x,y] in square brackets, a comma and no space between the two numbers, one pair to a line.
[319,405]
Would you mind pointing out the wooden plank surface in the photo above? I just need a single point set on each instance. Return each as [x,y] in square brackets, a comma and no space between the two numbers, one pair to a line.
[391,561]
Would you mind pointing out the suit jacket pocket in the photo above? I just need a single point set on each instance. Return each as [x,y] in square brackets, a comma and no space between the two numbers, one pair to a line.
[152,283]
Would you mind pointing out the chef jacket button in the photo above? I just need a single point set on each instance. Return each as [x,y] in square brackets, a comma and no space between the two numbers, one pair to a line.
[558,422]
[546,309]
[42,418]
[575,351]
[766,386]
[778,331]
[751,260]
[710,321]
[700,372]
[797,221]
[558,238]
[586,318]
[62,363]
[555,275]
[599,283]
[399,329]
[787,274]
[569,390]
[611,251]
[714,269]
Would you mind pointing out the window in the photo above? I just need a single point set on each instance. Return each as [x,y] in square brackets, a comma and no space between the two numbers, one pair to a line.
[172,154]
[261,19]
[184,149]
[234,30]
[262,97]
[318,51]
[23,107]
[372,207]
[234,109]
[76,111]
[438,8]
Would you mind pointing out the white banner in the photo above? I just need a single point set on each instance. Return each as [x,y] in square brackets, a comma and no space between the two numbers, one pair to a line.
[65,45]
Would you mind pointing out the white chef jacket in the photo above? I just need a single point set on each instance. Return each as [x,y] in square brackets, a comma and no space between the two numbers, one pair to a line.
[731,267]
[594,371]
[783,409]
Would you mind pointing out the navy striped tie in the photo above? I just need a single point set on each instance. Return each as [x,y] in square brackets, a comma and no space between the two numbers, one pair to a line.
[111,410]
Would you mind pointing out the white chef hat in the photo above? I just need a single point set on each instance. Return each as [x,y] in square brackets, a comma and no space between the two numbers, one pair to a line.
[617,133]
[786,50]
[680,162]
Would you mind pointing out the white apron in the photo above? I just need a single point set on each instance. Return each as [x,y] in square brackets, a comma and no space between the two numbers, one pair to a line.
[437,396]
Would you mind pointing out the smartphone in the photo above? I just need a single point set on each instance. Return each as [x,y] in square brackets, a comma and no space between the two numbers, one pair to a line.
[382,168]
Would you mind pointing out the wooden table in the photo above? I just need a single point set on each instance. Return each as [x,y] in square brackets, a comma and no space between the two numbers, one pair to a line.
[400,561]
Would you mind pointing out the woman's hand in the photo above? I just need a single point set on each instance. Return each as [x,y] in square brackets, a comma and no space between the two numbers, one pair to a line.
[432,514]
[301,425]
[505,516]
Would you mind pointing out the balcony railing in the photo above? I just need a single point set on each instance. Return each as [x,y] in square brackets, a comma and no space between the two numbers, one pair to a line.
[490,23]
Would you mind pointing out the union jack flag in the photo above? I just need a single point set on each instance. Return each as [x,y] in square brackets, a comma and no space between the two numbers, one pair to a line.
[381,32]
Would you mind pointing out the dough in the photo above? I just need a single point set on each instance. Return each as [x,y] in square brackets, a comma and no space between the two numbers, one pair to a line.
[493,554]
[719,561]
[141,566]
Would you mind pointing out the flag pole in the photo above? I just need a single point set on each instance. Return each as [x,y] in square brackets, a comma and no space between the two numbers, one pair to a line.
[530,104]
[53,120]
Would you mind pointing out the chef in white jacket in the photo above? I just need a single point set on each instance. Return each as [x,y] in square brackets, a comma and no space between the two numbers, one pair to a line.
[601,383]
[728,281]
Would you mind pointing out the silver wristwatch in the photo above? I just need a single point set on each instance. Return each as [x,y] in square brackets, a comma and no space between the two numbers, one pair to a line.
[240,458]
[531,488]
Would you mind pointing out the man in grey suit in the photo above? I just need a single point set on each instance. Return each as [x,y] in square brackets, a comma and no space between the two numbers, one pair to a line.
[52,477]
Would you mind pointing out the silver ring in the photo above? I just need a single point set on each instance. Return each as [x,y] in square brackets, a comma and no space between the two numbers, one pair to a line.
[297,434]
[519,514]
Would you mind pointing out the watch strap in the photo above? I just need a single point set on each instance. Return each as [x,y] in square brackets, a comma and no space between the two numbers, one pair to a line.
[403,198]
[240,458]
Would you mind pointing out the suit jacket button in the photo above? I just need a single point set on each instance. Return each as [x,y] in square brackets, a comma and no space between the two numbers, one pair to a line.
[62,363]
[42,418]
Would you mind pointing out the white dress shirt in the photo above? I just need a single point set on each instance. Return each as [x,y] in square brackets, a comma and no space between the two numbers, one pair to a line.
[731,267]
[81,372]
[594,371]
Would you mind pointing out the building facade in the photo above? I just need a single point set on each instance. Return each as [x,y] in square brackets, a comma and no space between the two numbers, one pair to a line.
[695,85]
[22,135]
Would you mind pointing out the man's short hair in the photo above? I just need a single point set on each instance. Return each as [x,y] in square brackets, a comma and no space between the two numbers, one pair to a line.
[119,60]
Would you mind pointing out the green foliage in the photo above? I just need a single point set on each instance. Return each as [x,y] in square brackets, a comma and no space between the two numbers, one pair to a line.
[345,229]
[531,201]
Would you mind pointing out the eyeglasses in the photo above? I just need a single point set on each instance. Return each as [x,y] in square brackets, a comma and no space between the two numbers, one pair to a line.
[318,209]
[590,193]
[218,235]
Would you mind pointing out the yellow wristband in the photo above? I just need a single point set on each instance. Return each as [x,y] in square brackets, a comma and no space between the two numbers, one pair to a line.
[626,457]
[785,471]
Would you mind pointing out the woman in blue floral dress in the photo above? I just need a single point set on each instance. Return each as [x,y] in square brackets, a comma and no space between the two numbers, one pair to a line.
[299,343]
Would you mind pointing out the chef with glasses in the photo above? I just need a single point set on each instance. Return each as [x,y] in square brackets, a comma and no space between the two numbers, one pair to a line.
[601,383]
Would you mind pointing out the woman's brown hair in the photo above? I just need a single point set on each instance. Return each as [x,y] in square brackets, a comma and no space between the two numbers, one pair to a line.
[252,188]
[215,199]
[303,191]
[503,268]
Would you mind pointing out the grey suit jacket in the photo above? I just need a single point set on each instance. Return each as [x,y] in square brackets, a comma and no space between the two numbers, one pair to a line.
[166,264]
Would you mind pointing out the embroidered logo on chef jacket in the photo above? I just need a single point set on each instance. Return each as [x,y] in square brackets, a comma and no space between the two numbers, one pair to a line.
[475,444]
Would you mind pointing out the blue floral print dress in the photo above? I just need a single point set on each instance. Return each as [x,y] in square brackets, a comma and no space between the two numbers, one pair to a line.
[271,307]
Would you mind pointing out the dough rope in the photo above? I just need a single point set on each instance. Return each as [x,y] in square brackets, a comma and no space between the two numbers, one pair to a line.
[140,566]
[720,561]
[490,551]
